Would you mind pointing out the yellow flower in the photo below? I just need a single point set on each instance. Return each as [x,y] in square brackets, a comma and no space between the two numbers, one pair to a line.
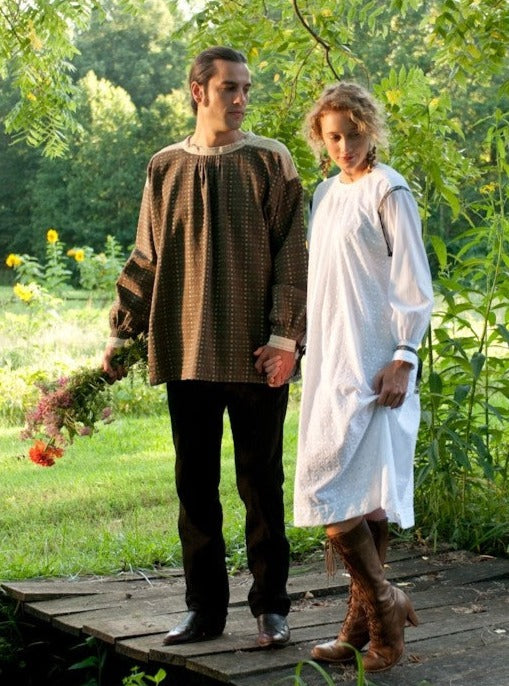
[488,188]
[393,96]
[79,255]
[24,293]
[52,236]
[31,97]
[71,252]
[13,260]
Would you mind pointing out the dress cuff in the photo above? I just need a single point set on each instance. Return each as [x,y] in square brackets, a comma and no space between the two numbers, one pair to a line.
[282,343]
[406,353]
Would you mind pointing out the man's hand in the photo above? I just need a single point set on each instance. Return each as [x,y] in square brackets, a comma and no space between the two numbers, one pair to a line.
[391,383]
[115,373]
[277,364]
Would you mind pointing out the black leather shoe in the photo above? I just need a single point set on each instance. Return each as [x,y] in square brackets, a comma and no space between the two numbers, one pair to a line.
[272,630]
[194,627]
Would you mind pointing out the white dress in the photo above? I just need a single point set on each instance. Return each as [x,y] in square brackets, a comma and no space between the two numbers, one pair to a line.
[369,293]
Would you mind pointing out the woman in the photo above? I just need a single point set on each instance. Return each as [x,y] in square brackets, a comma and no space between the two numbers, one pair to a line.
[369,304]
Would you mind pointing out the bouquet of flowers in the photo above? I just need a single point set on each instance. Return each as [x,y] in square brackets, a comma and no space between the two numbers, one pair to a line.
[71,406]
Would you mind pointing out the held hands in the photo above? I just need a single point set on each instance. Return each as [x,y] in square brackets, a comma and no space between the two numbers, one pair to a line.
[391,383]
[115,373]
[275,363]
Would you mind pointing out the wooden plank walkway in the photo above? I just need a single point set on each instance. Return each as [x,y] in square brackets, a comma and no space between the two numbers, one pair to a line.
[462,601]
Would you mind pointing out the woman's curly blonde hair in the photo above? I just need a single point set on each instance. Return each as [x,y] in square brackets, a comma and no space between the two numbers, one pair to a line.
[365,112]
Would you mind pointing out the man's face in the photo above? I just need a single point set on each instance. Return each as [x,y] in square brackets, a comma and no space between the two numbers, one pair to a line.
[222,103]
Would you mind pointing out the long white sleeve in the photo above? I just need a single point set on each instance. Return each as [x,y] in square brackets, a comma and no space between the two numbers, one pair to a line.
[410,289]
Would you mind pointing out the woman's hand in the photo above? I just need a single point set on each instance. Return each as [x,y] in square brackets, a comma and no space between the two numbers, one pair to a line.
[391,383]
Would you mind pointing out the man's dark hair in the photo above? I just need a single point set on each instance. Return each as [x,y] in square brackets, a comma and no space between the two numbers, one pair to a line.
[203,68]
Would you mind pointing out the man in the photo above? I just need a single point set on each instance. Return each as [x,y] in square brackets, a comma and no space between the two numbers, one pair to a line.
[217,279]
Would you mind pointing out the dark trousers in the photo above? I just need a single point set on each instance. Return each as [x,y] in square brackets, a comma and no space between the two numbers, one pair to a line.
[256,414]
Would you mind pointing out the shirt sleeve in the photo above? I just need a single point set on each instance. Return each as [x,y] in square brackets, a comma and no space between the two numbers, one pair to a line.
[129,315]
[289,253]
[410,288]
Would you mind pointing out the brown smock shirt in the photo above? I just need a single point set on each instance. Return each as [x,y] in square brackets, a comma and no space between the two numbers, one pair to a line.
[219,263]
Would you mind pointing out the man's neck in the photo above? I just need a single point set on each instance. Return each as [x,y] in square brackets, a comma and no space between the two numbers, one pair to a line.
[205,138]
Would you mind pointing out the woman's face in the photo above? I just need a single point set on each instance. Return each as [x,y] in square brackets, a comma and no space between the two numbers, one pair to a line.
[345,145]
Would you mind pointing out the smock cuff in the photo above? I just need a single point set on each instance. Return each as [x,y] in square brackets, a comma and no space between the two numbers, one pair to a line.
[117,342]
[282,343]
[406,353]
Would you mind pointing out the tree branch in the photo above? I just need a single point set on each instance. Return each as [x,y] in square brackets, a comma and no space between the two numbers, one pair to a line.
[326,47]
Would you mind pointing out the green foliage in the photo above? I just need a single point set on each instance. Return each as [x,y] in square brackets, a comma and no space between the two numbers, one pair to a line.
[462,454]
[93,665]
[37,45]
[102,163]
[471,38]
[425,137]
[29,270]
[139,678]
[56,276]
[108,160]
[326,678]
[11,641]
[99,272]
[134,51]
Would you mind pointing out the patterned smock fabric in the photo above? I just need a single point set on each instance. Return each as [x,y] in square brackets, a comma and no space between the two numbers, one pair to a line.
[369,301]
[219,263]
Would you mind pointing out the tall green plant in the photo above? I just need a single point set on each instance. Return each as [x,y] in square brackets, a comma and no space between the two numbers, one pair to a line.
[462,452]
[99,271]
[56,275]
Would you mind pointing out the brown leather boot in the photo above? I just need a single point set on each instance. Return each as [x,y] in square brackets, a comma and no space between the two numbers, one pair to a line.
[387,607]
[355,630]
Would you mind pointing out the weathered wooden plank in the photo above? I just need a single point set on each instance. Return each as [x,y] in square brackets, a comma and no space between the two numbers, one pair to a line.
[71,605]
[225,667]
[34,590]
[138,647]
[76,622]
[112,629]
[475,638]
[485,668]
[494,568]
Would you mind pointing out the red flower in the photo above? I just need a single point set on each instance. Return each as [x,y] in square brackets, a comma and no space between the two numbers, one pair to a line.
[44,454]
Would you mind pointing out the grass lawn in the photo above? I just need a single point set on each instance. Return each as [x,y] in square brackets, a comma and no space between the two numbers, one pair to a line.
[110,504]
